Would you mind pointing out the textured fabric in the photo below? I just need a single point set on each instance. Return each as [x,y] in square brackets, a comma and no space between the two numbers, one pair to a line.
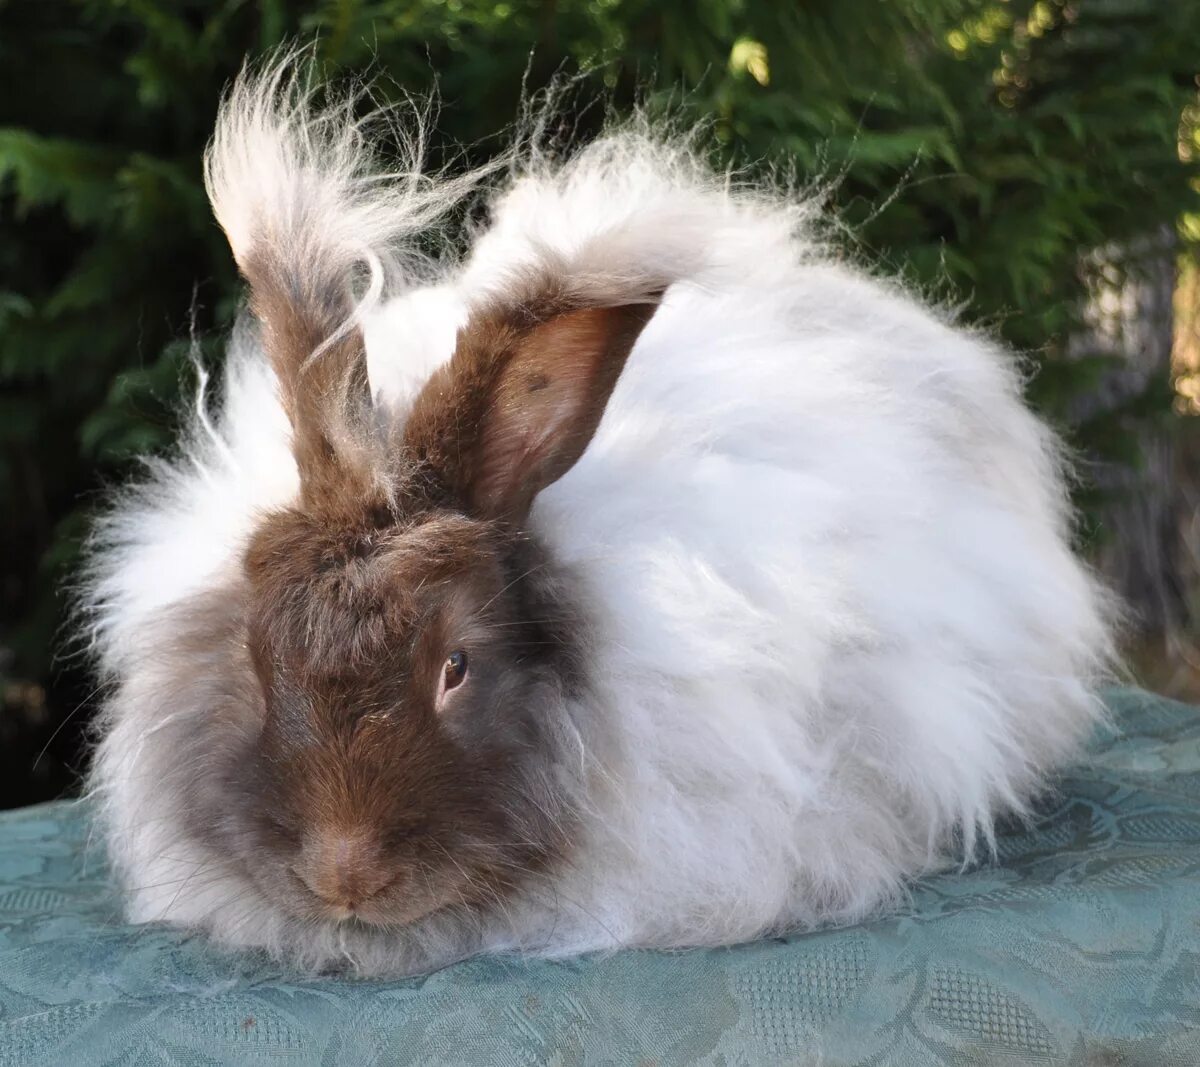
[1080,946]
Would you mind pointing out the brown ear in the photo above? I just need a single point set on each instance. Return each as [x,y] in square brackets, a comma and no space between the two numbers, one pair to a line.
[321,365]
[515,407]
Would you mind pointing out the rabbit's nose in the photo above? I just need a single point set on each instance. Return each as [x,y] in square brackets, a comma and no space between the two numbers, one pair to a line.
[345,868]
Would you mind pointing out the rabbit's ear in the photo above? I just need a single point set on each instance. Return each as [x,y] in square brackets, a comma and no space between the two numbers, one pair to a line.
[320,360]
[517,404]
[294,189]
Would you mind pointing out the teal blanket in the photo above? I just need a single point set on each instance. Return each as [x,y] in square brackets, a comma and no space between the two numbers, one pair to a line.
[1080,946]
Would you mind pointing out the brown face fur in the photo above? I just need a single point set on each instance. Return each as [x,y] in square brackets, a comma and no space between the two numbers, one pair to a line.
[374,801]
[350,790]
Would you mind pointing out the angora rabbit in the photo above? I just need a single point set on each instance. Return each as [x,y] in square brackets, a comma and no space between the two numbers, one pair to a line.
[646,578]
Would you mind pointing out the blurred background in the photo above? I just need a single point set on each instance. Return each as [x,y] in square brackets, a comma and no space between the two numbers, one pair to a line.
[1036,164]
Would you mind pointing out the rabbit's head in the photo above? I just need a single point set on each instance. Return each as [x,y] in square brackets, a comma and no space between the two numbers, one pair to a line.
[404,644]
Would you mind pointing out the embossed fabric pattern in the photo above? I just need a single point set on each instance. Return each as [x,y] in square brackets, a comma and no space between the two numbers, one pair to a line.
[1080,945]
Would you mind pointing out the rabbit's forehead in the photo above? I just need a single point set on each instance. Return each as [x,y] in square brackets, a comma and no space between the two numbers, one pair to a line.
[439,561]
[437,542]
[304,552]
[326,597]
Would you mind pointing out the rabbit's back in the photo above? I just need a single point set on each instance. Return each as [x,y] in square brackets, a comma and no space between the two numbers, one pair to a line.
[838,626]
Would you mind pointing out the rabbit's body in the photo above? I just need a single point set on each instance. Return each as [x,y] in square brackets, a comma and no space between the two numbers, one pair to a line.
[814,563]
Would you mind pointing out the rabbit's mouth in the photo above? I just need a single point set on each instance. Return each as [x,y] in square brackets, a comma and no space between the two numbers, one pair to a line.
[396,899]
[382,910]
[369,902]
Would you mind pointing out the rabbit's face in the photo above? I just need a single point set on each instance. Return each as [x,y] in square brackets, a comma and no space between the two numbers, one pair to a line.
[409,673]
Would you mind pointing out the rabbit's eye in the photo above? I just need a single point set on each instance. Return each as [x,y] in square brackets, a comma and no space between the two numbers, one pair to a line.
[455,670]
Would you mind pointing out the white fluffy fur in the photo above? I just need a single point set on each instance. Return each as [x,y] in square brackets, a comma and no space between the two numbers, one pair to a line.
[823,544]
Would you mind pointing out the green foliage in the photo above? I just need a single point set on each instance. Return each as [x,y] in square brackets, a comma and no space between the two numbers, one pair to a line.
[976,146]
